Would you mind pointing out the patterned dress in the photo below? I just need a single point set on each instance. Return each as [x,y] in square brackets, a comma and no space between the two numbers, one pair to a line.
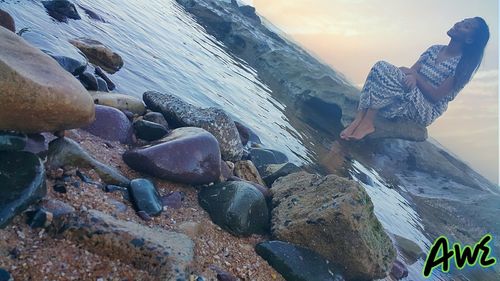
[384,89]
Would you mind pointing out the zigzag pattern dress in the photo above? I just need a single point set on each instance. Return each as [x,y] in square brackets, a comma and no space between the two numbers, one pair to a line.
[384,89]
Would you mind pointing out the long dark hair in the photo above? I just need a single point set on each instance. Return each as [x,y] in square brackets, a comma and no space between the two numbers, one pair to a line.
[472,54]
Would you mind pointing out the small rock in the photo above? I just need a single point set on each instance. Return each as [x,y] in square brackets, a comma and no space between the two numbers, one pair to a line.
[399,270]
[88,80]
[149,131]
[243,131]
[57,208]
[84,177]
[22,179]
[60,188]
[61,10]
[39,218]
[5,275]
[10,141]
[156,117]
[262,157]
[119,101]
[225,171]
[102,86]
[144,216]
[7,21]
[119,206]
[102,74]
[272,172]
[113,188]
[223,275]
[93,15]
[145,196]
[246,170]
[110,124]
[173,200]
[236,207]
[99,54]
[297,263]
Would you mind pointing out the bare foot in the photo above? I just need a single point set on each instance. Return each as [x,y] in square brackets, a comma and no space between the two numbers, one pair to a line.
[363,129]
[349,130]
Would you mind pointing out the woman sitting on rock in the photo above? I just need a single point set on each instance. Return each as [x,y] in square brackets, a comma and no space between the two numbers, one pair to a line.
[421,93]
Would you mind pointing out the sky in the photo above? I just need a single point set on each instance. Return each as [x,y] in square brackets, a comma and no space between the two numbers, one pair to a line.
[351,35]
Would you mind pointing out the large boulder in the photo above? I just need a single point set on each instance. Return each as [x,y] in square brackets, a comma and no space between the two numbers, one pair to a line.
[188,155]
[68,57]
[214,120]
[66,152]
[22,182]
[111,124]
[334,217]
[99,54]
[163,254]
[236,206]
[36,94]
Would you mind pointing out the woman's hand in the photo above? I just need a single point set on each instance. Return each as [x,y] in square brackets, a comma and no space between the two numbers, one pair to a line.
[410,82]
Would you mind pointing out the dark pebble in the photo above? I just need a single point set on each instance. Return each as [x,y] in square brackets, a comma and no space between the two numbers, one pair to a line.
[38,218]
[89,81]
[113,188]
[61,188]
[173,200]
[100,73]
[143,215]
[5,275]
[83,177]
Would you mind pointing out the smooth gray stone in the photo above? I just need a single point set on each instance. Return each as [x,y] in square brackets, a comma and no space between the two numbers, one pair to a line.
[145,196]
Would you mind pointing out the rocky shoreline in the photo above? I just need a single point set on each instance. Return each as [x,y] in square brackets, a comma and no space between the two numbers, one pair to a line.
[157,189]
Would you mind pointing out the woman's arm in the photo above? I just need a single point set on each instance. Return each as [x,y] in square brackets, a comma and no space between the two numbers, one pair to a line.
[434,94]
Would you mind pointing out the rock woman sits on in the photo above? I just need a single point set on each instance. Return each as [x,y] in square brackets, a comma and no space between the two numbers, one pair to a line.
[421,93]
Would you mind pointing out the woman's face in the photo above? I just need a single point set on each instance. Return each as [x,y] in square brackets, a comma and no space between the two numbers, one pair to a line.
[464,30]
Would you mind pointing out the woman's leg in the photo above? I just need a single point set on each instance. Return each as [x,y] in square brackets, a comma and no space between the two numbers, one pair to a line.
[366,125]
[350,129]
